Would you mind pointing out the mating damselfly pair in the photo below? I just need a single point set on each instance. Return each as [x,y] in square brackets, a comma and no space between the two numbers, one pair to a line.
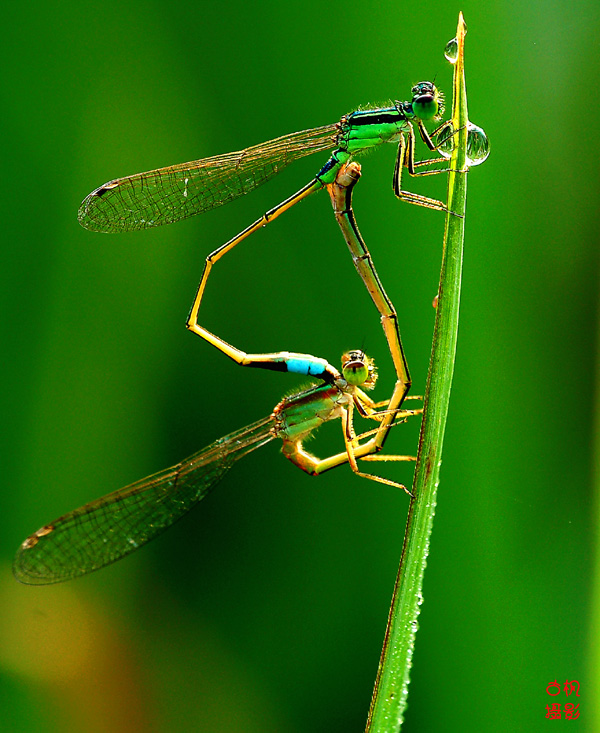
[105,530]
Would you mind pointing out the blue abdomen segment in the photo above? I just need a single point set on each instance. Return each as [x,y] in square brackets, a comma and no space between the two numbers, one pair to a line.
[310,366]
[286,361]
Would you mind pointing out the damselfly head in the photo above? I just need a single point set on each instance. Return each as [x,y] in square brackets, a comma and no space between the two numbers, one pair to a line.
[427,101]
[358,369]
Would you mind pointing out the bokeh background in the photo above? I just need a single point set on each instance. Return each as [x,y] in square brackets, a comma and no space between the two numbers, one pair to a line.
[264,610]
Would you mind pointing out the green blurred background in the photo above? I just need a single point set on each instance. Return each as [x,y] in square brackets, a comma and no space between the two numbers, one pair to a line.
[265,609]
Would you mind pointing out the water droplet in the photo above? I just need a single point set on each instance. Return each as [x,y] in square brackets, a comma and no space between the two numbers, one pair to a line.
[451,51]
[478,145]
[444,140]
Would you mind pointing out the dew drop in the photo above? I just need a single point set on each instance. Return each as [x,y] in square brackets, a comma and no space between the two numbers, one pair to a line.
[444,140]
[451,51]
[478,145]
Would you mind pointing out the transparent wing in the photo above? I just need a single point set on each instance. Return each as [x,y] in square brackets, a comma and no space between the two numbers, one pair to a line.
[107,529]
[166,195]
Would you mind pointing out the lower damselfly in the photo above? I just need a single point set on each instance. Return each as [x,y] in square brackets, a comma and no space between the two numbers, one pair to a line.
[104,531]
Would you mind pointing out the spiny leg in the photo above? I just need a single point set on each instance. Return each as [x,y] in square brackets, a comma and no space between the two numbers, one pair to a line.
[384,403]
[406,159]
[351,442]
[427,139]
[294,451]
[399,417]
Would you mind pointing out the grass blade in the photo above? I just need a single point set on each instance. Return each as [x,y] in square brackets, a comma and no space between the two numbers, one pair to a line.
[391,686]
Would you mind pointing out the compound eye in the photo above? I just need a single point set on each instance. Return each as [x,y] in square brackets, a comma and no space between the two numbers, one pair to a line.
[355,368]
[425,106]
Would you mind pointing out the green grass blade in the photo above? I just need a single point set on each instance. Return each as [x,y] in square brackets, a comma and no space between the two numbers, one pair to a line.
[391,686]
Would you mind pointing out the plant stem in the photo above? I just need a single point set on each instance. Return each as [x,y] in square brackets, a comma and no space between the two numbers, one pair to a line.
[391,686]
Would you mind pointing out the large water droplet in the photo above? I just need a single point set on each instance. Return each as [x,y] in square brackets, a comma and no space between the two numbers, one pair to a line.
[444,140]
[451,51]
[478,146]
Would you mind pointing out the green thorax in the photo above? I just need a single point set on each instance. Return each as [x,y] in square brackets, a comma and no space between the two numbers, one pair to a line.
[368,128]
[361,131]
[298,415]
